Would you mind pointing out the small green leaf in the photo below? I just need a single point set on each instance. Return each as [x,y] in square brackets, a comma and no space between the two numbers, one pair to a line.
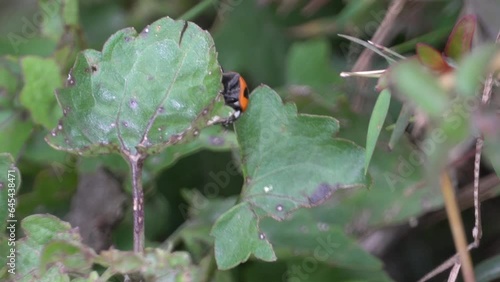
[460,40]
[237,236]
[41,78]
[120,261]
[473,70]
[400,127]
[377,120]
[143,92]
[370,46]
[73,255]
[40,230]
[420,87]
[432,58]
[289,161]
[166,266]
[43,228]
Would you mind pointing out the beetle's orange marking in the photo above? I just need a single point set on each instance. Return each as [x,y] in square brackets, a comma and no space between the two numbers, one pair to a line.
[243,97]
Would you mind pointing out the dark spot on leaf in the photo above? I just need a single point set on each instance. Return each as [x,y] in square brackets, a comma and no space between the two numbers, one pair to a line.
[182,32]
[53,133]
[93,68]
[248,180]
[161,110]
[133,104]
[1,185]
[204,112]
[66,111]
[145,31]
[150,77]
[216,140]
[321,194]
[70,81]
[125,124]
[128,38]
[279,208]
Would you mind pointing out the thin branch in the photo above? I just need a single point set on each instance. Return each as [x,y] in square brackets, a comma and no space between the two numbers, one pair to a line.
[457,228]
[444,266]
[477,231]
[454,272]
[136,163]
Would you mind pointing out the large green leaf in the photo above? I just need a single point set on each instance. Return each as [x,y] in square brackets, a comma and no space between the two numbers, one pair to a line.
[289,161]
[143,92]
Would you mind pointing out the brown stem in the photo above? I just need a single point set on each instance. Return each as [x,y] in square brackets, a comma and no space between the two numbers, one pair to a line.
[457,228]
[138,198]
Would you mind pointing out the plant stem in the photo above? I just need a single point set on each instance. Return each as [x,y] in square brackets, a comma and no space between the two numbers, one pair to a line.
[457,228]
[138,198]
[196,10]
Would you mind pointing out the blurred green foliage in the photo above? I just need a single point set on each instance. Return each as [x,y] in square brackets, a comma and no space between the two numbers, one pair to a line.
[293,47]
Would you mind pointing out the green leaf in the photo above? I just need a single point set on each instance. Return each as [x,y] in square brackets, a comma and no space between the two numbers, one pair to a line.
[325,272]
[39,231]
[73,255]
[377,120]
[420,87]
[304,236]
[120,261]
[16,130]
[370,46]
[237,236]
[9,80]
[42,228]
[144,92]
[473,69]
[431,58]
[289,161]
[488,270]
[460,40]
[41,78]
[400,127]
[58,15]
[166,266]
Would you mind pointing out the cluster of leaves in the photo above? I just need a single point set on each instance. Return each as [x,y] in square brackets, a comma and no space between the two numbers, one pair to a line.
[154,95]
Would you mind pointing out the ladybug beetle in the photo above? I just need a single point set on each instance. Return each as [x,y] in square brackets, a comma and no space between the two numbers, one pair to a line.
[235,95]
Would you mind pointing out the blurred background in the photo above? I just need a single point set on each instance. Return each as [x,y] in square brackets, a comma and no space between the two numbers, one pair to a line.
[292,46]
